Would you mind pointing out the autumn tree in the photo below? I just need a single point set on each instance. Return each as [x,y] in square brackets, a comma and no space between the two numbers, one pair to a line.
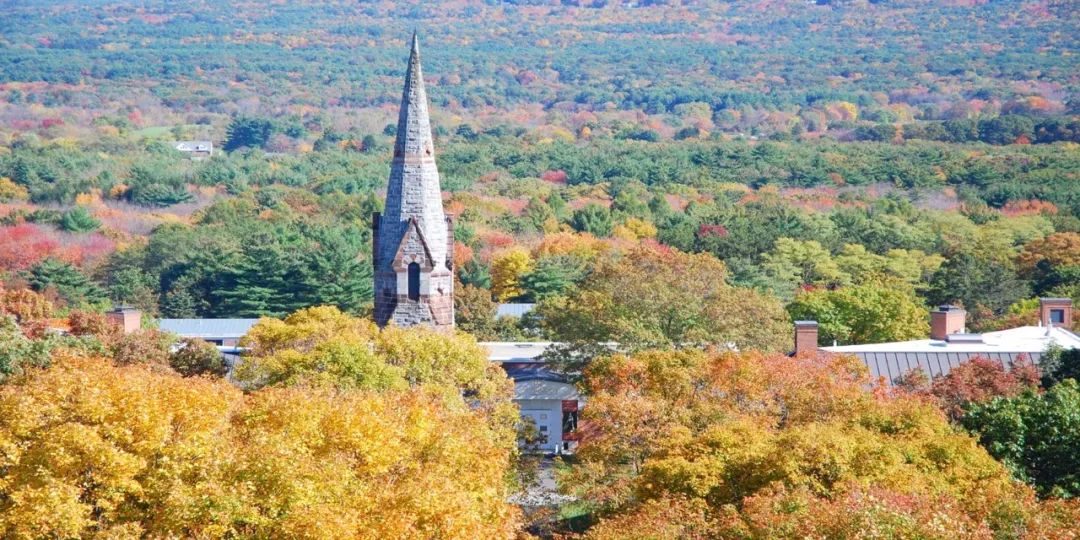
[1058,249]
[659,296]
[870,313]
[25,305]
[711,444]
[95,450]
[474,310]
[193,356]
[979,380]
[322,346]
[507,269]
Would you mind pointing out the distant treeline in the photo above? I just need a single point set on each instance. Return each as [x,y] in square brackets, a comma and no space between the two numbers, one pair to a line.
[1004,129]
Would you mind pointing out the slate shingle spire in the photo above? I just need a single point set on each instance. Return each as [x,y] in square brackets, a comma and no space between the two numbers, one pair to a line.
[413,238]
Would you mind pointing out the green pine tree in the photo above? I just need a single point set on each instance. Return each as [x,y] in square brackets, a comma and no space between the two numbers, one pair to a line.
[333,274]
[73,287]
[79,220]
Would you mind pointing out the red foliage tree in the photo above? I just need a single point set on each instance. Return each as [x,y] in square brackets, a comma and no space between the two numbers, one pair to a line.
[555,177]
[23,245]
[981,379]
[712,230]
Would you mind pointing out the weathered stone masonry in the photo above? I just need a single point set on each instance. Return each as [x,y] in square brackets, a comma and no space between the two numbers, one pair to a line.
[413,238]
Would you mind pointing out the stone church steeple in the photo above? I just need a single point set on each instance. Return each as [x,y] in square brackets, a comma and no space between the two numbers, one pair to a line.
[413,238]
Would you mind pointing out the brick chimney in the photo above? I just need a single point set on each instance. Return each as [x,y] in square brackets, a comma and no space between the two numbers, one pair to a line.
[806,337]
[127,318]
[1056,312]
[947,320]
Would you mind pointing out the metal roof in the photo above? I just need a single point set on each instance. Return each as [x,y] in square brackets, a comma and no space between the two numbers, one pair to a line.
[208,328]
[513,310]
[934,357]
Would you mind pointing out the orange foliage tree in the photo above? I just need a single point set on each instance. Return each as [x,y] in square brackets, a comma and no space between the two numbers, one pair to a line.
[708,444]
[1058,249]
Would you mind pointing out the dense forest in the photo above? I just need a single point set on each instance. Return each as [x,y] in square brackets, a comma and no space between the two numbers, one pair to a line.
[680,178]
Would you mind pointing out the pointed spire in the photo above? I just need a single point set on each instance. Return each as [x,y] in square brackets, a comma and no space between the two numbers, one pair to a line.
[414,127]
[413,190]
[414,229]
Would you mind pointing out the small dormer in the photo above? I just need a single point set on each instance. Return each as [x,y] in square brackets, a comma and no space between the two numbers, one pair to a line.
[1056,312]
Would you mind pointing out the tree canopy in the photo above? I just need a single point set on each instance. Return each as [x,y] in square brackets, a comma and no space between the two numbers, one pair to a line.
[725,445]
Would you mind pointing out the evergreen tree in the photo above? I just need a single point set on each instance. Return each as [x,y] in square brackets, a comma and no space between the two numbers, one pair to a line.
[249,132]
[263,281]
[73,287]
[333,272]
[981,285]
[475,274]
[79,219]
[593,219]
[557,204]
[552,276]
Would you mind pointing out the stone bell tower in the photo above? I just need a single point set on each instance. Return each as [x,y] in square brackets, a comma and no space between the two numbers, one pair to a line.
[413,239]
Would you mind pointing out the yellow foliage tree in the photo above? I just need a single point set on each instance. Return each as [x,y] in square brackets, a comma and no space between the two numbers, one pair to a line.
[635,229]
[1056,250]
[91,450]
[656,296]
[10,191]
[507,268]
[321,346]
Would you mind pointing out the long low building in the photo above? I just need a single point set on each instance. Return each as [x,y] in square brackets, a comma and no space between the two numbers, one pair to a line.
[937,357]
[950,345]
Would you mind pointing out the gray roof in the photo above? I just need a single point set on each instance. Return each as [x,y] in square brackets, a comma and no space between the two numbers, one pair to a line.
[513,310]
[543,389]
[208,328]
[938,357]
[891,365]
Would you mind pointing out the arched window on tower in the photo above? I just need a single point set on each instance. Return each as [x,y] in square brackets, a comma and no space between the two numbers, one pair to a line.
[414,281]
